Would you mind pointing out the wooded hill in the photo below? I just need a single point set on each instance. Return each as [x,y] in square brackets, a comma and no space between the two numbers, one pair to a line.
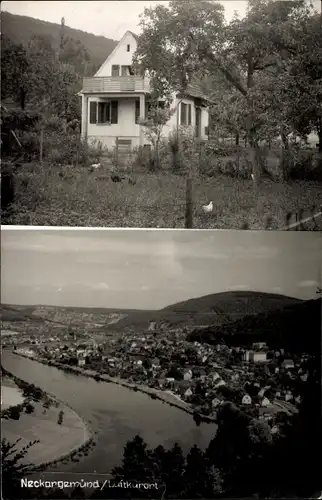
[21,28]
[214,309]
[295,327]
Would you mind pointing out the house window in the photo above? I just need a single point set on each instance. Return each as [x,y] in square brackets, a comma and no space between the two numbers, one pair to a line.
[104,111]
[206,130]
[137,111]
[185,114]
[115,70]
[125,70]
[128,48]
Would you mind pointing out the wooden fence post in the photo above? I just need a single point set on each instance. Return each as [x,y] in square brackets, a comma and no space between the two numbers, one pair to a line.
[78,136]
[41,145]
[189,204]
[117,151]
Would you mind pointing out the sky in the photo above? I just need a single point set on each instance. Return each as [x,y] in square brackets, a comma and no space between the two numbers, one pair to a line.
[107,18]
[150,269]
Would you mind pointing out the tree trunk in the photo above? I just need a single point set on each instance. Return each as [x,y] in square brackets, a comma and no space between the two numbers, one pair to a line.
[237,139]
[254,149]
[23,95]
[189,204]
[319,130]
[284,163]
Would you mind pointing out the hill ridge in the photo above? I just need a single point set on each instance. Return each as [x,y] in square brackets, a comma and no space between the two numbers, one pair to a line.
[20,28]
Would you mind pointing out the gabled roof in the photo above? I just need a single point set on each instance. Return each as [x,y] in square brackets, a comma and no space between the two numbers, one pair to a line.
[115,49]
[194,91]
[133,34]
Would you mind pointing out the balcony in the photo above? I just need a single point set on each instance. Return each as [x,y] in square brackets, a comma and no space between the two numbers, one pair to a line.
[115,84]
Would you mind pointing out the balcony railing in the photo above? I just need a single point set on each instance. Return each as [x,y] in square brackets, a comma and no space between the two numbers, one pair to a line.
[98,84]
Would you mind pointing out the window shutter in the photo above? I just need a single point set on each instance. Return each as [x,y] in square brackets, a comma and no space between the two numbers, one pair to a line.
[107,117]
[189,114]
[114,111]
[137,111]
[183,114]
[92,112]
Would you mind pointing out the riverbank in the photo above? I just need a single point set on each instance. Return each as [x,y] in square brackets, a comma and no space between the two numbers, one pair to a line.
[57,442]
[165,397]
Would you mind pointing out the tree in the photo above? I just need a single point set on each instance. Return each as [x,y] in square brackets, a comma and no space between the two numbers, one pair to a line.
[14,71]
[13,470]
[165,48]
[147,363]
[199,476]
[190,38]
[29,408]
[136,464]
[60,417]
[153,125]
[169,466]
[14,412]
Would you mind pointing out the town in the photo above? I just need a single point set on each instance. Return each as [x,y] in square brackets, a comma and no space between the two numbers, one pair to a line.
[265,383]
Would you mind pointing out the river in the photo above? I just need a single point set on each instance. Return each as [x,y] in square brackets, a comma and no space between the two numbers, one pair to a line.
[116,413]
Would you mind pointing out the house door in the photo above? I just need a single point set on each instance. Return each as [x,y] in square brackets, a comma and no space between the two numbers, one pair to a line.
[198,122]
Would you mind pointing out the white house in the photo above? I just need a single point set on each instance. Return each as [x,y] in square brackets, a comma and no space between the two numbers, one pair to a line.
[188,392]
[265,402]
[187,375]
[247,400]
[219,384]
[114,100]
[215,402]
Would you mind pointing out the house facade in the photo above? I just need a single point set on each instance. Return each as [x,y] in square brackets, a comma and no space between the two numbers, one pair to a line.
[115,99]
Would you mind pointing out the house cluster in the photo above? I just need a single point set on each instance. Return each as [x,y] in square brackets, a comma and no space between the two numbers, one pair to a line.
[257,379]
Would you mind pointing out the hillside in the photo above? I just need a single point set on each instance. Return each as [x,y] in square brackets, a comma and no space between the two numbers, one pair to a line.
[21,28]
[208,310]
[296,327]
[214,309]
[232,302]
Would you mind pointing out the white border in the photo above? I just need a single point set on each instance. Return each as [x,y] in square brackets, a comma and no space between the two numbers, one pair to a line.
[94,228]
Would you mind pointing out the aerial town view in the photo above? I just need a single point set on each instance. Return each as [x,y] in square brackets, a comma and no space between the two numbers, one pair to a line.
[149,364]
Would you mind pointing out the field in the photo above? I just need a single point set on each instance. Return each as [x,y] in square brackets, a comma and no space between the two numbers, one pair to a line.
[10,394]
[55,440]
[70,196]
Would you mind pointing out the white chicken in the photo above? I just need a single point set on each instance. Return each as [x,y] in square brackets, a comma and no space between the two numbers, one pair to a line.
[96,165]
[208,208]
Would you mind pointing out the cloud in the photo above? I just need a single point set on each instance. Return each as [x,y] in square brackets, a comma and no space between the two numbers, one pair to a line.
[308,283]
[101,286]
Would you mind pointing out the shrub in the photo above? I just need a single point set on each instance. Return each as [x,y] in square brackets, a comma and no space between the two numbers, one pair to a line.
[306,167]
